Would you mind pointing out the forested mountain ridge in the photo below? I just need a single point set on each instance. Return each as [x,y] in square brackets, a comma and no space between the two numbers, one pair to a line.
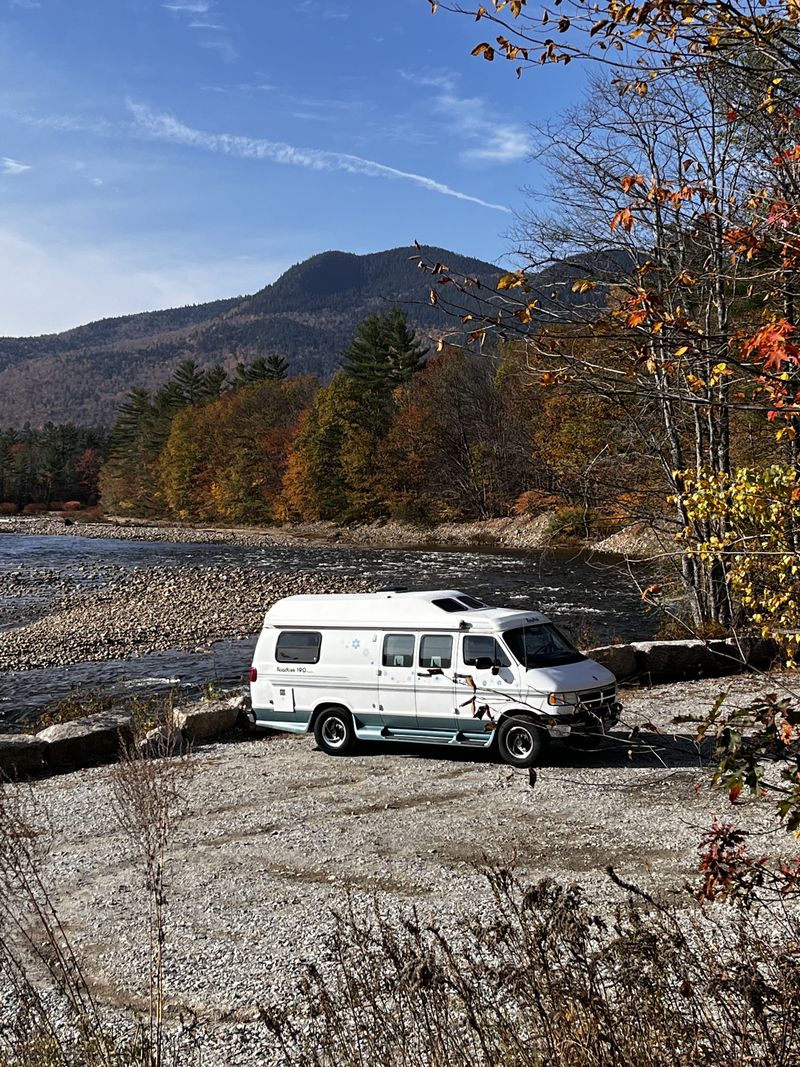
[308,315]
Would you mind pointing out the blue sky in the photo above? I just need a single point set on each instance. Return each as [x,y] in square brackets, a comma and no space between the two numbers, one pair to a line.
[162,152]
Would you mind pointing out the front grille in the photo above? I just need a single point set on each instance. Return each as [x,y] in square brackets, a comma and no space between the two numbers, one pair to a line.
[594,699]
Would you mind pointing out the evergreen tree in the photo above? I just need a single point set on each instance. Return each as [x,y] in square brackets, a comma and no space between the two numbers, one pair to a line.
[272,369]
[384,353]
[277,368]
[188,383]
[135,412]
[214,382]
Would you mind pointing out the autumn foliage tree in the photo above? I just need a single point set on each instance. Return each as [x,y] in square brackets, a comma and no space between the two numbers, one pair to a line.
[225,460]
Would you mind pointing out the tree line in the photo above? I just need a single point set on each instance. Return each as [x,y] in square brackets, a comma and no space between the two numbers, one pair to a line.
[52,465]
[399,432]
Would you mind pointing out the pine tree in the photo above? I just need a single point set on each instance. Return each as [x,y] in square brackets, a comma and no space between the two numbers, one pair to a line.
[277,368]
[214,381]
[384,353]
[272,369]
[405,354]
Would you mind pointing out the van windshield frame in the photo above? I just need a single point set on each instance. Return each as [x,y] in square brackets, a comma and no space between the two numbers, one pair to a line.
[540,644]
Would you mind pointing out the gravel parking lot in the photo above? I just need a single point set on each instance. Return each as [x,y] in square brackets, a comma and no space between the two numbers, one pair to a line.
[277,834]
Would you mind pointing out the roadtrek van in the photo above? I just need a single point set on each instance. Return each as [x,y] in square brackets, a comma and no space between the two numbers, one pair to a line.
[437,667]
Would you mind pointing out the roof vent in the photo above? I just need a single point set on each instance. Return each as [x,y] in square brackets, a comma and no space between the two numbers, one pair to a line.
[393,589]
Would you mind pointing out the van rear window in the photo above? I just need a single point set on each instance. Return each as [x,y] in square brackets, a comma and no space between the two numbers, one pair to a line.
[298,647]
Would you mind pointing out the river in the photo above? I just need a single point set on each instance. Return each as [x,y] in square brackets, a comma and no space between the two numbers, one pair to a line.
[592,596]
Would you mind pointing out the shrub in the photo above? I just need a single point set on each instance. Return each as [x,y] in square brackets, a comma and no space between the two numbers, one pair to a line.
[72,505]
[534,502]
[7,508]
[537,978]
[34,509]
[573,523]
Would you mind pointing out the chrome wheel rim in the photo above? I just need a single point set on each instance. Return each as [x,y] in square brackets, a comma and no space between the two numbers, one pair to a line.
[334,732]
[519,742]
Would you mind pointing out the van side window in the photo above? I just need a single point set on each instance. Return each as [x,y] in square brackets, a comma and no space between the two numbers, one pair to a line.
[295,647]
[436,650]
[478,647]
[398,650]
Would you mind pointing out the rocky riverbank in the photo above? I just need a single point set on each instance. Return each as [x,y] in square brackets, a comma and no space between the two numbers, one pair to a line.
[519,532]
[133,613]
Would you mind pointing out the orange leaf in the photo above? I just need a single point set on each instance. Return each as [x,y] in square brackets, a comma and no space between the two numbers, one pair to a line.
[623,218]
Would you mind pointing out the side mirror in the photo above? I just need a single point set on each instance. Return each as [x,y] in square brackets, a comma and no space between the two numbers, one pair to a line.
[484,663]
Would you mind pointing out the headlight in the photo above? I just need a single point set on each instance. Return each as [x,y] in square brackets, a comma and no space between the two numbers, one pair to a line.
[560,699]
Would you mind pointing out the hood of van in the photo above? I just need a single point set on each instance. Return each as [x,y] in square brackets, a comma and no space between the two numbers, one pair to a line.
[570,677]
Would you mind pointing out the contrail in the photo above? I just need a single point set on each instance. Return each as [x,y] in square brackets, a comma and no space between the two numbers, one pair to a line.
[164,127]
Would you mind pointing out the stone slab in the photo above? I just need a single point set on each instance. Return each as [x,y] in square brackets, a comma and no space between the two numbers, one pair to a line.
[20,755]
[619,659]
[208,718]
[81,743]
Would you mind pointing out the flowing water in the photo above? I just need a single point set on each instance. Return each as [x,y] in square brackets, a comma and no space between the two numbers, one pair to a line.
[593,597]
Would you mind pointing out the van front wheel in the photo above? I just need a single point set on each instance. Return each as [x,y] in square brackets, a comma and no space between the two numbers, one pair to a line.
[519,741]
[333,731]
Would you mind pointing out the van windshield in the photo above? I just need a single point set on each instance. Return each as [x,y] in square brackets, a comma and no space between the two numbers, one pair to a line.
[541,645]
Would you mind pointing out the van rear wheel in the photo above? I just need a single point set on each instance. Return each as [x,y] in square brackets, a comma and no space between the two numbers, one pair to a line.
[333,731]
[519,741]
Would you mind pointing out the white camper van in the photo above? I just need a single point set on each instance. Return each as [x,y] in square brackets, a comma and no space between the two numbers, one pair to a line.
[436,667]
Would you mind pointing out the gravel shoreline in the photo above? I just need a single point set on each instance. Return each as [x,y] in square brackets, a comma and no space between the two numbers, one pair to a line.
[278,834]
[137,612]
[521,533]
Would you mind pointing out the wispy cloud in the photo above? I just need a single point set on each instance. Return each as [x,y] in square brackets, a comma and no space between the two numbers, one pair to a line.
[26,5]
[60,123]
[12,166]
[494,141]
[165,127]
[243,87]
[191,7]
[211,31]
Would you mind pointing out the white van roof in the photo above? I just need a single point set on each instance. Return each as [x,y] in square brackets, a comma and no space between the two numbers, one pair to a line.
[436,609]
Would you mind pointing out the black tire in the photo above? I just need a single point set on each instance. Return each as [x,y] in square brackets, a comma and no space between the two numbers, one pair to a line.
[520,741]
[333,731]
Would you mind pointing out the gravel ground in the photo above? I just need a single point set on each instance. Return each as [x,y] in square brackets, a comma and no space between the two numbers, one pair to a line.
[277,834]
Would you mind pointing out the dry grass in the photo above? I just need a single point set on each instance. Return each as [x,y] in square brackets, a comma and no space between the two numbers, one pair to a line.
[538,980]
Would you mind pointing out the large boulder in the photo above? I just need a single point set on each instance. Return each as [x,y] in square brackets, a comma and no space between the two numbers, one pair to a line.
[208,718]
[619,659]
[95,739]
[20,755]
[667,661]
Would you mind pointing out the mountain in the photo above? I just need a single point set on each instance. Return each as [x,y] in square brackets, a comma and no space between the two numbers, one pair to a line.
[308,315]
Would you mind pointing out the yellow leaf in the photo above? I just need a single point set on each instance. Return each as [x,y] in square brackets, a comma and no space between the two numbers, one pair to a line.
[583,285]
[511,281]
